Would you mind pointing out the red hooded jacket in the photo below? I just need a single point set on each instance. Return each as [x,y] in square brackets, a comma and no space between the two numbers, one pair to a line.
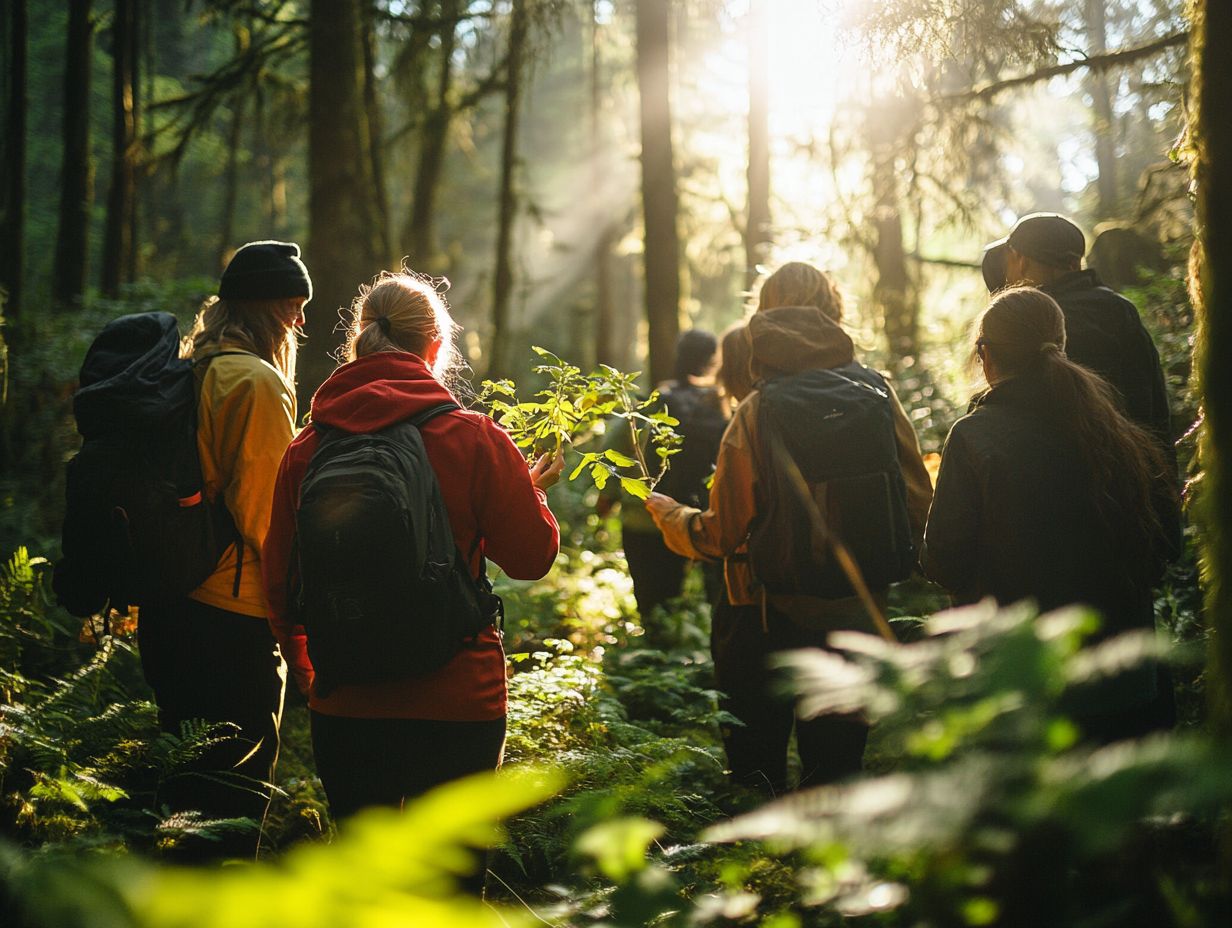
[489,495]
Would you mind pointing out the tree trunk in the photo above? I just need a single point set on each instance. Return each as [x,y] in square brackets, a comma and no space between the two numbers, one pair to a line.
[118,244]
[659,200]
[231,181]
[421,229]
[605,349]
[502,291]
[893,291]
[1211,289]
[1104,126]
[68,279]
[757,232]
[342,218]
[376,132]
[15,24]
[141,60]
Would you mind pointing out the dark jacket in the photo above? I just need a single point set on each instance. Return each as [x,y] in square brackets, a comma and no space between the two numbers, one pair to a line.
[1013,516]
[1104,332]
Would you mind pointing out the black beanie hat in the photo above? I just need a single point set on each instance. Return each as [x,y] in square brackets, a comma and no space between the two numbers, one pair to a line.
[265,271]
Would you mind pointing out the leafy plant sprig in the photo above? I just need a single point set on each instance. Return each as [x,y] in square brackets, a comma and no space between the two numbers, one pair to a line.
[557,416]
[568,412]
[650,426]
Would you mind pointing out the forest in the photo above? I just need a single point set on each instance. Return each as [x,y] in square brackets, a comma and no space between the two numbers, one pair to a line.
[585,181]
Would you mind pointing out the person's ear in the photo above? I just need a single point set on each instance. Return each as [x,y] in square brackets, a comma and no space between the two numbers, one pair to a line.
[432,352]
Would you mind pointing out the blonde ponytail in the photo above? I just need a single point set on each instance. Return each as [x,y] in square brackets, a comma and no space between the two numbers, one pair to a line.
[403,311]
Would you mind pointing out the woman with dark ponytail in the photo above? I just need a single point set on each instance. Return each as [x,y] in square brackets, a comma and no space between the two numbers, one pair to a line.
[1048,492]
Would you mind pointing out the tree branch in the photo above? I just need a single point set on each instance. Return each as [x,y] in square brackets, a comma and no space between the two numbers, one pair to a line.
[1094,62]
[943,262]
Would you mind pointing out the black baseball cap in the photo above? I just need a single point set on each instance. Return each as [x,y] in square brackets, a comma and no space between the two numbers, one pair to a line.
[1048,238]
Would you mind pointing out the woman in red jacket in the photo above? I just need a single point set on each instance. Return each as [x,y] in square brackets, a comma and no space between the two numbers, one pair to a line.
[380,743]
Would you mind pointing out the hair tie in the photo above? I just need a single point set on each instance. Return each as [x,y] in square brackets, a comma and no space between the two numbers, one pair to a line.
[384,324]
[1050,348]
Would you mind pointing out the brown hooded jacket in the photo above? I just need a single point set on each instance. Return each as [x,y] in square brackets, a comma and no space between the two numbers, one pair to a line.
[785,340]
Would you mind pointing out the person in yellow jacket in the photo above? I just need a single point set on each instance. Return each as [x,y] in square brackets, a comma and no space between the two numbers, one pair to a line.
[211,656]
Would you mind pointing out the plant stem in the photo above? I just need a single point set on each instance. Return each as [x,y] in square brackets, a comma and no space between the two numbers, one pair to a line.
[637,439]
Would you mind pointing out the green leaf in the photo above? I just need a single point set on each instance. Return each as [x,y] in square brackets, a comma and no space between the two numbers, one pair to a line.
[620,460]
[599,475]
[587,458]
[635,487]
[619,848]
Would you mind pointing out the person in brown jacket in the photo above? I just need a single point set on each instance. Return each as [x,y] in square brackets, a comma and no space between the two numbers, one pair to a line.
[795,338]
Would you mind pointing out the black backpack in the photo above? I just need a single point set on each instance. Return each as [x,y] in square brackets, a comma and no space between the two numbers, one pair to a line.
[702,424]
[837,426]
[378,584]
[138,527]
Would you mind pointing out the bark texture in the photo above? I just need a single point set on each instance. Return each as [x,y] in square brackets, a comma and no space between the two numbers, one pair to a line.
[119,249]
[1100,87]
[15,23]
[757,235]
[1211,289]
[894,290]
[660,205]
[71,267]
[502,290]
[342,217]
[605,348]
[421,230]
[376,131]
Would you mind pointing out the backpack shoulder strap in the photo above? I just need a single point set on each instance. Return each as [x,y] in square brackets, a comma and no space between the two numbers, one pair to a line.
[422,417]
[417,420]
[864,385]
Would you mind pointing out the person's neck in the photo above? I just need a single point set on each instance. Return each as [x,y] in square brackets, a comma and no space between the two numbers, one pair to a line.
[1046,276]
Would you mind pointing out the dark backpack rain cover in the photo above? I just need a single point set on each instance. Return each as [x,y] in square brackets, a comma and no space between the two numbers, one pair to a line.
[138,528]
[379,585]
[702,424]
[837,424]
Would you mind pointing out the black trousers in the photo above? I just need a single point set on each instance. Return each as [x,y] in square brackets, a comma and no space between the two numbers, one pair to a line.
[384,762]
[218,666]
[831,747]
[658,575]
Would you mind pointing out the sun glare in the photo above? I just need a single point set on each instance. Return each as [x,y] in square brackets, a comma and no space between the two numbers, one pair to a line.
[811,71]
[812,68]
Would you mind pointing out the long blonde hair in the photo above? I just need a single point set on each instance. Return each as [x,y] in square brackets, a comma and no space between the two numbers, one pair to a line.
[800,284]
[267,328]
[403,311]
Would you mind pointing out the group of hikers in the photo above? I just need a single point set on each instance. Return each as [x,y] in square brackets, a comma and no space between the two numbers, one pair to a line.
[353,552]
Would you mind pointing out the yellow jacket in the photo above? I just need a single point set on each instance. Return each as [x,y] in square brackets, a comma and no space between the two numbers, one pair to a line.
[245,420]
